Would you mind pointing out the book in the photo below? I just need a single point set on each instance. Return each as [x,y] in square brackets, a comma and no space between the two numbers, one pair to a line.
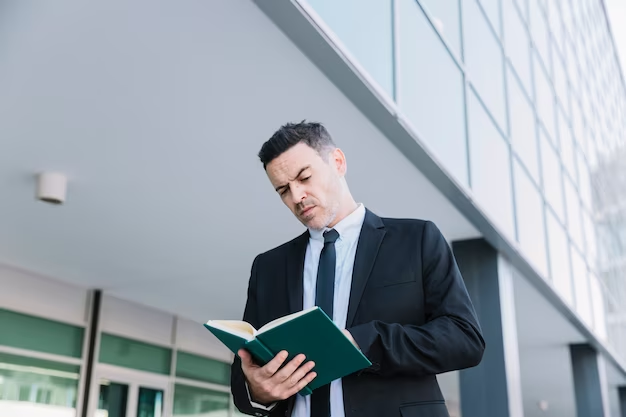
[310,332]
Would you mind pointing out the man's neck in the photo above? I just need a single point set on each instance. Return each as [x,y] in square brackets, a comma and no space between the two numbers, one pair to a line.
[345,211]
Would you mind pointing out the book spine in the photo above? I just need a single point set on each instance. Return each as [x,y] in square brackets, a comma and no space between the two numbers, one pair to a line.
[259,352]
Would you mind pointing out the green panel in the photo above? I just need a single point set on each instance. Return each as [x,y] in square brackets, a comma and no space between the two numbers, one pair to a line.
[34,333]
[202,369]
[192,401]
[133,354]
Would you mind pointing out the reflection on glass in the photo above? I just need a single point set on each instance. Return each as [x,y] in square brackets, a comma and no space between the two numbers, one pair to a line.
[517,44]
[364,27]
[36,388]
[545,99]
[483,58]
[523,127]
[431,93]
[581,287]
[149,402]
[112,400]
[530,223]
[559,258]
[446,18]
[200,402]
[551,169]
[490,169]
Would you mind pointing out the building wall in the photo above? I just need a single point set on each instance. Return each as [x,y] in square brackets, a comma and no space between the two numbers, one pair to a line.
[44,327]
[518,100]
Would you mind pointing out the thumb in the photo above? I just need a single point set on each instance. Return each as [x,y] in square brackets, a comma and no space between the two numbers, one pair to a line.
[246,358]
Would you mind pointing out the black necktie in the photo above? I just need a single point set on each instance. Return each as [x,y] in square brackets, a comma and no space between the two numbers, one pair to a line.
[324,293]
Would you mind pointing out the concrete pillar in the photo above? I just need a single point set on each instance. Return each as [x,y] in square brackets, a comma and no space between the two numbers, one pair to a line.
[589,381]
[493,388]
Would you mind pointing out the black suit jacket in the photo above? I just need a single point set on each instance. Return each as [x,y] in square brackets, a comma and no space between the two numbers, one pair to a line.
[409,312]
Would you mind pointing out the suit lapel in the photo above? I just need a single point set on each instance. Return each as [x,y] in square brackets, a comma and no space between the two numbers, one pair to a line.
[295,272]
[371,237]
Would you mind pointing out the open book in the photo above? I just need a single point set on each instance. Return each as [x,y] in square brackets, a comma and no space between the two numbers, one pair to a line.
[310,332]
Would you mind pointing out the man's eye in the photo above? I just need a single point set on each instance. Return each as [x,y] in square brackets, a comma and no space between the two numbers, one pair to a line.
[304,179]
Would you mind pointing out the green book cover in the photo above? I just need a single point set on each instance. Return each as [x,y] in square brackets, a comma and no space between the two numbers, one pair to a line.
[310,332]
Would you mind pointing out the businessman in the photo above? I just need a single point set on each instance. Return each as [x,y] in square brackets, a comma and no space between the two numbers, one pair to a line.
[392,284]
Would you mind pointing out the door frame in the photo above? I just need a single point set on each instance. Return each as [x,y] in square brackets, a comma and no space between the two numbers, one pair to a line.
[134,379]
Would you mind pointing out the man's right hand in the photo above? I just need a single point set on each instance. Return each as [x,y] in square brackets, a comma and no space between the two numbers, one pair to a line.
[269,383]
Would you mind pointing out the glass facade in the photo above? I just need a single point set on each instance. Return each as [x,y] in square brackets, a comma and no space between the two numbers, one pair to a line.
[522,101]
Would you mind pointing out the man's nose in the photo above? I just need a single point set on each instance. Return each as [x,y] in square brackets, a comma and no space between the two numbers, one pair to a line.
[298,194]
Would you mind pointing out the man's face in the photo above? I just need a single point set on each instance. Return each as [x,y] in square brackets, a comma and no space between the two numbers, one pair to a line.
[307,184]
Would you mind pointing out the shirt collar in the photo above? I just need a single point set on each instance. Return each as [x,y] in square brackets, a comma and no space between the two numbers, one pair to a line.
[347,227]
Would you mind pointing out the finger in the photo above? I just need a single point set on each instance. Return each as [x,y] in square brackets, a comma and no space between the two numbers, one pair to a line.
[289,369]
[272,366]
[246,358]
[303,383]
[300,373]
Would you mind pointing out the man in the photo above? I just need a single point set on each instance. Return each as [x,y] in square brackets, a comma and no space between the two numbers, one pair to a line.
[392,284]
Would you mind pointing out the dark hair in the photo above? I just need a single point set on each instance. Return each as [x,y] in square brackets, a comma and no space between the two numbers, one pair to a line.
[312,134]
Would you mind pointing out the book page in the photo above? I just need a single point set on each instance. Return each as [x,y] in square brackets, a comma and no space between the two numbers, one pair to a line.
[284,319]
[235,327]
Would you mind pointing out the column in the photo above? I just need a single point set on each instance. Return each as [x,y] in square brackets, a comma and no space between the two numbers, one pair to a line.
[589,381]
[493,388]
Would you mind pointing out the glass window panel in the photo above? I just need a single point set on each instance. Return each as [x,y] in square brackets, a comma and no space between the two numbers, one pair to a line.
[567,146]
[590,239]
[149,402]
[523,128]
[199,402]
[431,89]
[492,9]
[539,31]
[133,354]
[572,68]
[530,222]
[523,8]
[545,99]
[559,258]
[598,306]
[554,16]
[365,28]
[584,181]
[483,57]
[560,81]
[447,19]
[551,169]
[490,169]
[577,124]
[581,287]
[517,44]
[37,388]
[574,221]
[203,369]
[34,333]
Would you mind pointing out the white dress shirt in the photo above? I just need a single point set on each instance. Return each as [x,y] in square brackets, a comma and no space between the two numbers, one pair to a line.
[349,230]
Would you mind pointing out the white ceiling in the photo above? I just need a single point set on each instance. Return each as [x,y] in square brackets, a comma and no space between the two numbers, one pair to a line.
[156,110]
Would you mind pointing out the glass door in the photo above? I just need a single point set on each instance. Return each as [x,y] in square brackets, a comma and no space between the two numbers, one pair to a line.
[127,393]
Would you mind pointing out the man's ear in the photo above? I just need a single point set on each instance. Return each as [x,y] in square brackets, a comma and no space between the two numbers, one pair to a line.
[339,159]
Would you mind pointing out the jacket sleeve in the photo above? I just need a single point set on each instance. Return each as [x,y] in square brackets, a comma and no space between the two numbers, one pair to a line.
[451,337]
[238,382]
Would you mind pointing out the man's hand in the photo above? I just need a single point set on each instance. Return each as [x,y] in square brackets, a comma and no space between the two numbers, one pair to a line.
[268,384]
[350,338]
